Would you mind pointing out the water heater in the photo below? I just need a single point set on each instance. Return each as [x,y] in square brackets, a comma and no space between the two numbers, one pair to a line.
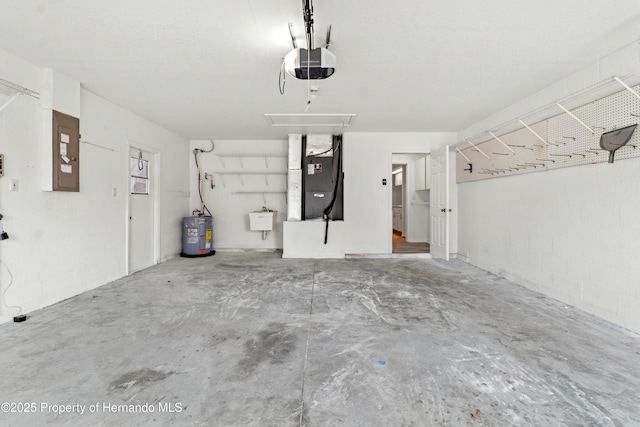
[197,236]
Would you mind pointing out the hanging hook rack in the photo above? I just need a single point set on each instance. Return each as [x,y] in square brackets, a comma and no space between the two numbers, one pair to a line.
[521,146]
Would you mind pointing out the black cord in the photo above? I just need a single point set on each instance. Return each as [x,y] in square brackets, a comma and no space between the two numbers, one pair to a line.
[195,155]
[282,79]
[320,154]
[329,208]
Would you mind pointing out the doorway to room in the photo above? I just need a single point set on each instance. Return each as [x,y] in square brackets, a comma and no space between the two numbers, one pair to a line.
[410,205]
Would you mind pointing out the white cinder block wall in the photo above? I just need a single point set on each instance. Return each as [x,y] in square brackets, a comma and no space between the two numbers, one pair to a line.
[573,233]
[62,244]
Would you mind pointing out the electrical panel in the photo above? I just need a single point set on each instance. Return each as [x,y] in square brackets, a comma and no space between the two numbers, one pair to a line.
[66,152]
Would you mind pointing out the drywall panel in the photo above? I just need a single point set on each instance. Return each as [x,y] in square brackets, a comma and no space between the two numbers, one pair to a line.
[60,93]
[62,244]
[305,239]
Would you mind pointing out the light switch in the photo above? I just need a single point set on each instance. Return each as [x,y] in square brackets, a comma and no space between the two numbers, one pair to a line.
[14,185]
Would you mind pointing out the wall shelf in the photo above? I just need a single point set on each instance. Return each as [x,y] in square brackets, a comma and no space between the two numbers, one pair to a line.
[253,169]
[241,174]
[264,193]
[266,158]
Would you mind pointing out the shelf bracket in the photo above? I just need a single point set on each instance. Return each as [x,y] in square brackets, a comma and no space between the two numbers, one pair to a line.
[501,142]
[481,152]
[577,119]
[6,104]
[468,159]
[534,132]
[627,87]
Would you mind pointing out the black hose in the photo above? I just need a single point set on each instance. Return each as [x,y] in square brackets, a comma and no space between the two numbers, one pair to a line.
[195,155]
[328,209]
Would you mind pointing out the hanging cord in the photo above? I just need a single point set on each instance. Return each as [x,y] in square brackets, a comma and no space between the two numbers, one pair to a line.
[328,209]
[197,151]
[4,294]
[140,161]
[309,49]
[282,79]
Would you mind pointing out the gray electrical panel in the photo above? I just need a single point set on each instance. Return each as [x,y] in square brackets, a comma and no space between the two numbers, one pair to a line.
[322,177]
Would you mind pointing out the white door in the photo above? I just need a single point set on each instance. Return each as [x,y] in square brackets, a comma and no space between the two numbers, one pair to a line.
[141,206]
[440,203]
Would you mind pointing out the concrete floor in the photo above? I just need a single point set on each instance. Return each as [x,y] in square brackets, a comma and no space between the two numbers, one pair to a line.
[250,339]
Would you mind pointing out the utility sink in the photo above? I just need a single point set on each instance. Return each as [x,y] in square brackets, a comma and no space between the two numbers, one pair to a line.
[262,220]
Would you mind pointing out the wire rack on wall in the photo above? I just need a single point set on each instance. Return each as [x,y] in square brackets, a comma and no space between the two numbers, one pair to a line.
[570,138]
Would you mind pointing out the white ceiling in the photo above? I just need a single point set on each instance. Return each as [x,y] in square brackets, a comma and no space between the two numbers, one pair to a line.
[209,68]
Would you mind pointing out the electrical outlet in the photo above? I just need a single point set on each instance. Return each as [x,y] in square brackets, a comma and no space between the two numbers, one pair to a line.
[14,185]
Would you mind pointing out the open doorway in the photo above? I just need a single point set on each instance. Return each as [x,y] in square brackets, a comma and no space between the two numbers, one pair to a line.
[410,205]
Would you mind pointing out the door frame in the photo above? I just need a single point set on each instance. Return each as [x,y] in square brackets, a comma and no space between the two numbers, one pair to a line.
[408,188]
[156,188]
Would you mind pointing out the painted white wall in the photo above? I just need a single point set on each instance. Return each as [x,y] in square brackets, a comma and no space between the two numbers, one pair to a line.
[305,239]
[62,244]
[227,203]
[368,158]
[569,233]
